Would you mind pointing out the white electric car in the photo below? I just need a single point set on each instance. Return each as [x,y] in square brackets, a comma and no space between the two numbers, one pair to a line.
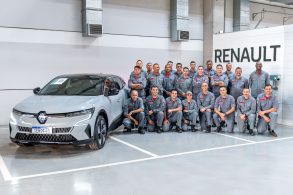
[70,109]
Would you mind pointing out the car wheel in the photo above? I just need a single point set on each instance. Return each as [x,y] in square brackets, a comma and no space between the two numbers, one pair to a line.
[100,134]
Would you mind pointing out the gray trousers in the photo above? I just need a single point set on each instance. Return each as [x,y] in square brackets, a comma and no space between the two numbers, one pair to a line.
[174,118]
[228,119]
[190,116]
[262,125]
[205,119]
[137,116]
[241,124]
[157,118]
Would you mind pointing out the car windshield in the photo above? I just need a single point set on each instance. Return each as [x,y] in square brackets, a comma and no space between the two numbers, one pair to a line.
[76,86]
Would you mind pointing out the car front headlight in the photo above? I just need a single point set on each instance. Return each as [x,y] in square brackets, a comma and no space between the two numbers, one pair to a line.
[16,112]
[81,112]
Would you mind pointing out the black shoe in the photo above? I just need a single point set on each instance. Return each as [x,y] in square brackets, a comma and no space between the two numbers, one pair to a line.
[160,130]
[251,132]
[193,129]
[141,130]
[127,130]
[222,124]
[219,129]
[209,129]
[273,133]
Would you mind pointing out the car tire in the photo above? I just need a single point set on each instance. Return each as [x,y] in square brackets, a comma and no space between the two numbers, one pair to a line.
[100,134]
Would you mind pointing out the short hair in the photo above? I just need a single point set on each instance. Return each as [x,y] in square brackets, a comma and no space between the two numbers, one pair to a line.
[174,90]
[229,63]
[223,87]
[136,66]
[156,64]
[170,62]
[258,63]
[200,67]
[149,63]
[209,61]
[219,65]
[245,88]
[268,85]
[139,60]
[238,68]
[192,62]
[205,83]
[185,68]
[178,64]
[133,90]
[154,86]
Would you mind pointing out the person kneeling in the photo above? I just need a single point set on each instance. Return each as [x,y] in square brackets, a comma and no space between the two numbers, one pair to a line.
[246,109]
[134,113]
[224,111]
[267,107]
[190,112]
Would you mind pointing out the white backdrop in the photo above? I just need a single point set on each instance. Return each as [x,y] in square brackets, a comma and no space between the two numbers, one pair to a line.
[275,55]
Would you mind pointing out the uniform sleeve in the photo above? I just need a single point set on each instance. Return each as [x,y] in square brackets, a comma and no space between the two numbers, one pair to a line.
[275,103]
[141,106]
[194,107]
[212,80]
[253,107]
[125,108]
[239,111]
[216,105]
[212,103]
[232,101]
[164,84]
[250,80]
[258,107]
[163,104]
[190,85]
[198,102]
[179,103]
[177,86]
[226,81]
[130,82]
[143,83]
[267,79]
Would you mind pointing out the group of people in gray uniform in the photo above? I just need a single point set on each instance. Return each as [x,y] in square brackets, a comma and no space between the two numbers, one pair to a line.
[177,98]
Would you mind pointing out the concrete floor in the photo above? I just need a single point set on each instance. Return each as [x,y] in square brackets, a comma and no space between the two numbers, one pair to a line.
[167,163]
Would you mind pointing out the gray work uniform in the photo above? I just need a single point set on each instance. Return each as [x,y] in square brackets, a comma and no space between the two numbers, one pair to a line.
[206,101]
[247,107]
[138,80]
[158,106]
[236,86]
[263,104]
[192,74]
[210,73]
[168,83]
[192,113]
[197,83]
[129,106]
[143,73]
[178,75]
[174,116]
[230,75]
[155,80]
[164,71]
[257,82]
[183,85]
[218,78]
[224,105]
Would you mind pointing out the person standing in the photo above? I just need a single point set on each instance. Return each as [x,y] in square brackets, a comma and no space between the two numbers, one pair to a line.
[229,72]
[219,80]
[179,71]
[137,82]
[197,82]
[192,69]
[183,84]
[169,80]
[258,79]
[156,79]
[237,84]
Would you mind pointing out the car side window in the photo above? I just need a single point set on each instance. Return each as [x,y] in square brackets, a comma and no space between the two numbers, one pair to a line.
[116,85]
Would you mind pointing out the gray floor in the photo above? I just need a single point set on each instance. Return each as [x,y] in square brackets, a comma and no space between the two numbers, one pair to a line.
[167,163]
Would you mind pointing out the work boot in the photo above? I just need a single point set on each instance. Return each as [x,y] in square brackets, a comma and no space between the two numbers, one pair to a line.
[193,129]
[219,129]
[141,130]
[209,129]
[160,130]
[127,130]
[250,131]
[273,133]
[179,130]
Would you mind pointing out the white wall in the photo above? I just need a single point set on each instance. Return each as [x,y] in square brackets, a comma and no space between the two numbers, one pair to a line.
[282,36]
[42,39]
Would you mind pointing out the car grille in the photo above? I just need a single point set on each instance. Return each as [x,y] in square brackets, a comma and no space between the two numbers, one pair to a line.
[45,137]
[54,130]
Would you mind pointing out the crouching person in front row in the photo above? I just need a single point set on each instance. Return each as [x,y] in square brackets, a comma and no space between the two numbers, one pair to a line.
[267,107]
[155,108]
[173,112]
[190,112]
[224,111]
[205,102]
[133,111]
[246,109]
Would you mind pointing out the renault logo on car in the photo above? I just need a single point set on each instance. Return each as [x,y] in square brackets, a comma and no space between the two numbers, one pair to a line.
[42,117]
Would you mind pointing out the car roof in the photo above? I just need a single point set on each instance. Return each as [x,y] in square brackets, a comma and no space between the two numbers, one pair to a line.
[99,75]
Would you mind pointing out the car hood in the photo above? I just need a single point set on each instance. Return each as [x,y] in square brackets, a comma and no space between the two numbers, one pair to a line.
[56,104]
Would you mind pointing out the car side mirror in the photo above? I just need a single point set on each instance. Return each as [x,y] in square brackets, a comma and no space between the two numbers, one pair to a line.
[36,90]
[113,91]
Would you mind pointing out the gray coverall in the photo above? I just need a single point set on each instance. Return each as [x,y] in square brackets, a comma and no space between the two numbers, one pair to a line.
[172,71]
[264,103]
[178,75]
[192,113]
[131,105]
[155,80]
[183,85]
[168,83]
[218,78]
[174,116]
[138,80]
[205,101]
[247,107]
[258,82]
[224,105]
[143,73]
[192,74]
[230,75]
[158,106]
[236,86]
[197,83]
[210,73]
